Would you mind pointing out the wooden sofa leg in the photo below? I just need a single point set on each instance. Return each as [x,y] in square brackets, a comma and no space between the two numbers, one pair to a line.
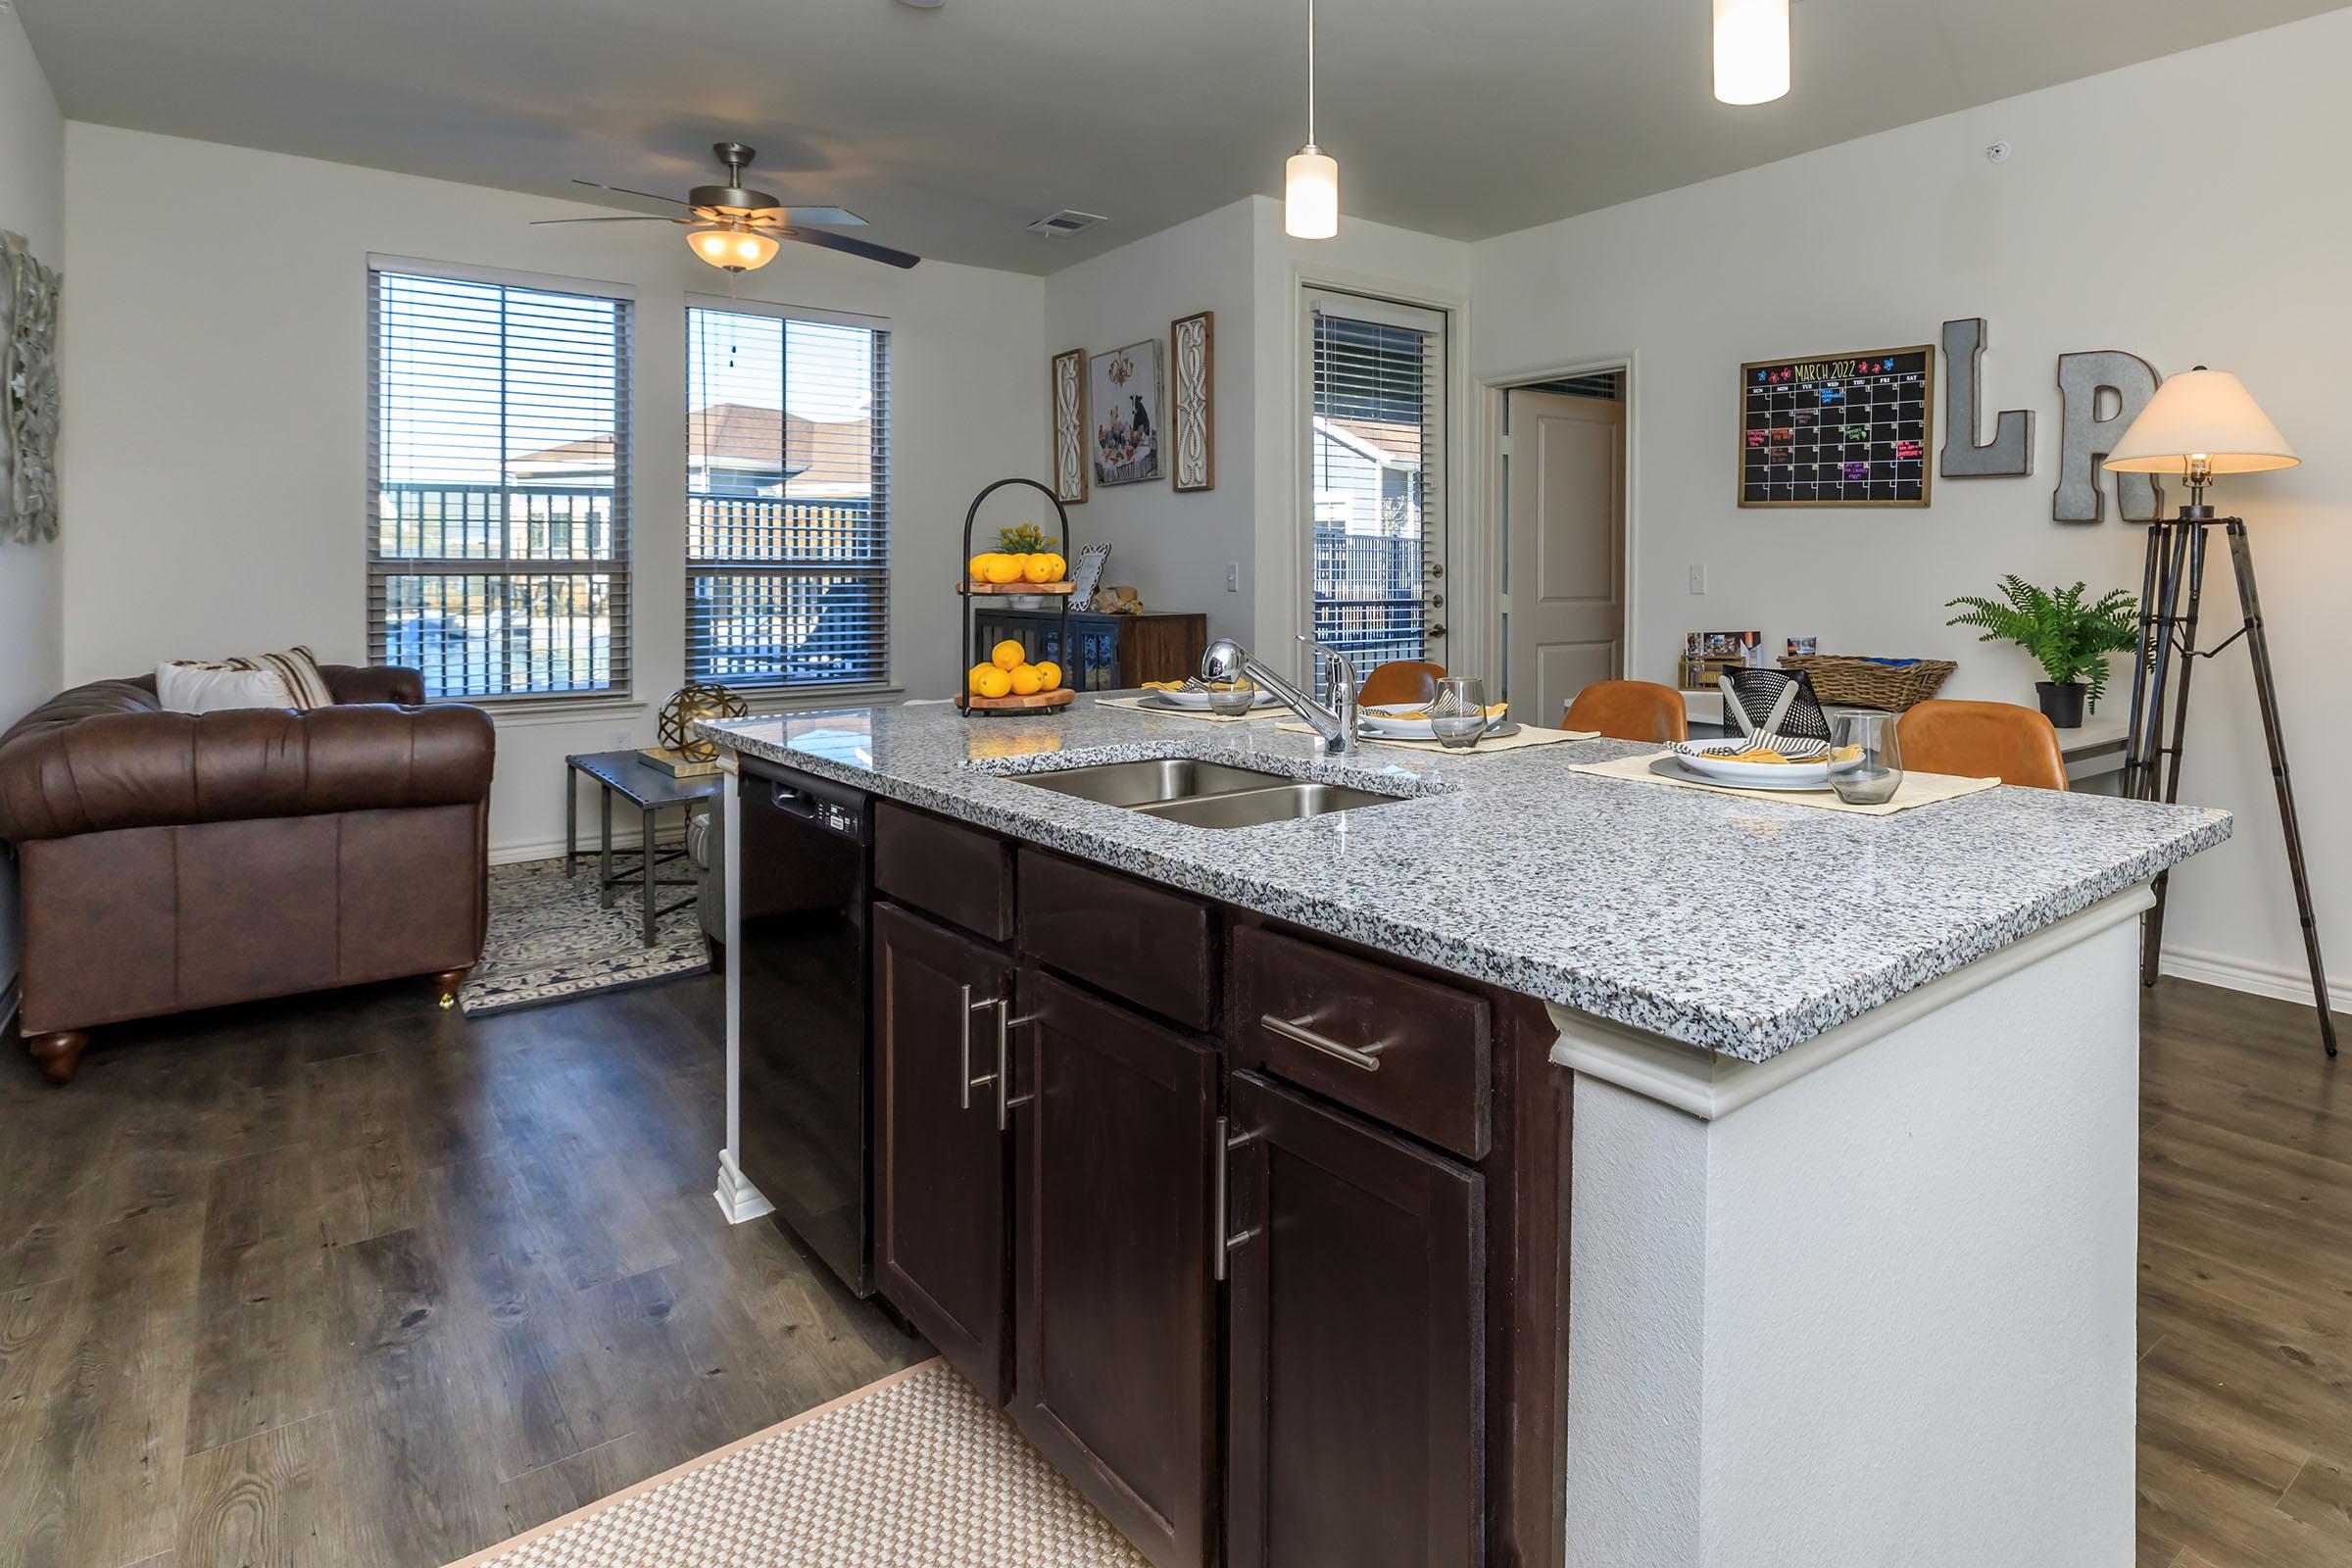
[59,1054]
[446,984]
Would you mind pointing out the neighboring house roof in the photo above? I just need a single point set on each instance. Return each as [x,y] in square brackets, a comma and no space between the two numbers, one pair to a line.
[1395,438]
[814,457]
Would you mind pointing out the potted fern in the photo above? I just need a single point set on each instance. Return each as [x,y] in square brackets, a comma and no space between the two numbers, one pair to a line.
[2069,638]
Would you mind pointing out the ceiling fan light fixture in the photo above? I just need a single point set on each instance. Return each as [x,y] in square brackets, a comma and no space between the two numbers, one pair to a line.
[733,247]
[1751,51]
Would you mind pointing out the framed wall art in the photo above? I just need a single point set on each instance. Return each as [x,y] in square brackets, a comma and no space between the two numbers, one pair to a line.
[1066,390]
[1192,347]
[1845,430]
[29,404]
[1123,405]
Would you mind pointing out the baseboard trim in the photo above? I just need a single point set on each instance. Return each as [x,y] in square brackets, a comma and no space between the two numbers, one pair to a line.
[2288,982]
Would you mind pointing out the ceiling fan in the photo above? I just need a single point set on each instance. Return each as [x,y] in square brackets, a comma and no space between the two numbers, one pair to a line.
[737,229]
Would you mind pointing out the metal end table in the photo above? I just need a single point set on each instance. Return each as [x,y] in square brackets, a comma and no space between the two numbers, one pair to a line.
[650,789]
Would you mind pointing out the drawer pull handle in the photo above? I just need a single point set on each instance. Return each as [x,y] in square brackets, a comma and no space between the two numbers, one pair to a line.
[1367,1059]
[1222,1240]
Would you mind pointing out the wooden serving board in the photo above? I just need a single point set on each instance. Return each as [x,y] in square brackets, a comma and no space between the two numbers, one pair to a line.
[1061,697]
[969,587]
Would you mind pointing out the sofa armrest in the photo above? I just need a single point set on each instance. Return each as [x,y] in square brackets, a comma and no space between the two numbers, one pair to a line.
[374,683]
[154,769]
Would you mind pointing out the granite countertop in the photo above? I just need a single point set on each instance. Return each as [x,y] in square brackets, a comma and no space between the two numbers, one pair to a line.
[1739,924]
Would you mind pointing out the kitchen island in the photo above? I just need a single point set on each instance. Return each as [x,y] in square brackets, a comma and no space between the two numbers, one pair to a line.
[1835,1266]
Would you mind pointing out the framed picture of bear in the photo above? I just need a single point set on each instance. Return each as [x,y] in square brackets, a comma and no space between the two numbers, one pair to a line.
[1123,402]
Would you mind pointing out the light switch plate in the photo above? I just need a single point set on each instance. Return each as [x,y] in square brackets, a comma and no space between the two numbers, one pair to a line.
[1233,576]
[1699,577]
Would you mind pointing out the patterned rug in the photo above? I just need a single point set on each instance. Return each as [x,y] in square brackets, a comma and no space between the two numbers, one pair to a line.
[915,1471]
[550,940]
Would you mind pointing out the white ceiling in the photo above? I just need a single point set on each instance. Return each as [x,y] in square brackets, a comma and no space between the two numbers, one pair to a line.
[950,129]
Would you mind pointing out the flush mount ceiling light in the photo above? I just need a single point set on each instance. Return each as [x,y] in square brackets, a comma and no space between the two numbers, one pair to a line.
[1311,182]
[734,247]
[1751,50]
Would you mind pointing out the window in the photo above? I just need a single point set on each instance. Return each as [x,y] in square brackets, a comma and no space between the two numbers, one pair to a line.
[1376,479]
[497,537]
[787,497]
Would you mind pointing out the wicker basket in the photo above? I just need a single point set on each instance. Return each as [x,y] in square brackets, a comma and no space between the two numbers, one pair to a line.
[1861,682]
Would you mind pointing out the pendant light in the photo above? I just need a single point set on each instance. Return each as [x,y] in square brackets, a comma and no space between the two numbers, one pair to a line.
[1311,182]
[1751,50]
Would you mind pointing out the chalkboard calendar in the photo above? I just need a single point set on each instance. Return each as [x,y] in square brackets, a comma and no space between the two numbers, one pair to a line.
[1846,431]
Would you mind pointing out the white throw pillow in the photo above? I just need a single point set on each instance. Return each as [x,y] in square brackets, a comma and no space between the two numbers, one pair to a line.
[189,687]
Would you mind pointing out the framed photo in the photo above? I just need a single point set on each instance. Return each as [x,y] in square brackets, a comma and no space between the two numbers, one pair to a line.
[1192,345]
[1066,390]
[1123,405]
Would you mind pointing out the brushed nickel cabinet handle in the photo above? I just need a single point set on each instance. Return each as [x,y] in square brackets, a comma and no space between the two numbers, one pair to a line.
[1224,1240]
[964,1086]
[1007,1103]
[1367,1059]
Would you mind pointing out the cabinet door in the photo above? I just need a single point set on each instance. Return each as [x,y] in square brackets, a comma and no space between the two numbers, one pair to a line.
[942,1249]
[1355,1354]
[1116,1380]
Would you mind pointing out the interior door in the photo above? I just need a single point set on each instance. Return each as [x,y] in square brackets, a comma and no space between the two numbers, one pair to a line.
[1117,1306]
[942,1249]
[1564,562]
[1355,1343]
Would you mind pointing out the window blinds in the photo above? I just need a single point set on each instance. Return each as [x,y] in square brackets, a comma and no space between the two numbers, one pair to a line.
[1376,473]
[498,538]
[788,500]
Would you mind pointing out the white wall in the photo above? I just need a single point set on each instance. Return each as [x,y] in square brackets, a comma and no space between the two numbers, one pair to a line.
[2177,209]
[215,422]
[32,202]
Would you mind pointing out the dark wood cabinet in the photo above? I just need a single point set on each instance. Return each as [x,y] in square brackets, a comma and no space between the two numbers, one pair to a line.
[1355,1351]
[942,1247]
[1114,1298]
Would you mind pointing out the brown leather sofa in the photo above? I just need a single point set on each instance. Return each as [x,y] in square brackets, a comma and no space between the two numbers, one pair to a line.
[174,860]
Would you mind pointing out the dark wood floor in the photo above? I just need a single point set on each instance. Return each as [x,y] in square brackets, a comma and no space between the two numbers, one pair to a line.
[350,1281]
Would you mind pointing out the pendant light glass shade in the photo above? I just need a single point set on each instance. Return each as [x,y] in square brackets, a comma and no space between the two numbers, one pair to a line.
[1751,50]
[1311,194]
[734,248]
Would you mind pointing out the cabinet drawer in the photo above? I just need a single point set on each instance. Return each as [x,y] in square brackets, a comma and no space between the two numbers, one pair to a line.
[1156,948]
[944,868]
[1411,1053]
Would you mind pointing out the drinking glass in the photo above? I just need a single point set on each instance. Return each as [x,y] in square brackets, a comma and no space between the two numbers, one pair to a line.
[1457,716]
[1866,764]
[1234,699]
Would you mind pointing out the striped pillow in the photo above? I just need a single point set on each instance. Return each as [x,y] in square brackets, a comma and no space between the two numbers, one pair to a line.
[298,667]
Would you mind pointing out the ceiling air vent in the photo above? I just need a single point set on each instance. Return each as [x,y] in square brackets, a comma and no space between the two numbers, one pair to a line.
[1064,222]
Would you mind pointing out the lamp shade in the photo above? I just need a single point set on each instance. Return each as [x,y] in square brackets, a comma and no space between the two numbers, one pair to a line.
[737,248]
[1751,50]
[2201,417]
[1311,194]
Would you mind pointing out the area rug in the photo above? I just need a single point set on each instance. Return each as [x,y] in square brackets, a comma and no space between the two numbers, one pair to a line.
[915,1471]
[548,938]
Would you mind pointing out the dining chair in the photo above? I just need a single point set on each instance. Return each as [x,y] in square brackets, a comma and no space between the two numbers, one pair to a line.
[1400,680]
[1629,710]
[1982,739]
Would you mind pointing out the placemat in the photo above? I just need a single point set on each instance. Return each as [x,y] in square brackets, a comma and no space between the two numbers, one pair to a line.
[1136,703]
[1916,790]
[1529,735]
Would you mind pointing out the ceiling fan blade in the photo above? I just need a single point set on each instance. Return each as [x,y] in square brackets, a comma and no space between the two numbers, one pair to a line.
[838,217]
[853,247]
[649,218]
[624,190]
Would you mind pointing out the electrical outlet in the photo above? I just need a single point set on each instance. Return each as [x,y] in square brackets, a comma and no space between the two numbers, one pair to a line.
[1699,577]
[1233,576]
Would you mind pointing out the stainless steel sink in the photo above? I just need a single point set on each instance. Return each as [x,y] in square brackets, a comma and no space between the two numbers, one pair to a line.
[1213,795]
[1286,803]
[1156,779]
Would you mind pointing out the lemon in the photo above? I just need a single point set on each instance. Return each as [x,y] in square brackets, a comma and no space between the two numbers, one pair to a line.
[1024,680]
[1003,569]
[1007,654]
[978,566]
[1049,675]
[1046,567]
[990,681]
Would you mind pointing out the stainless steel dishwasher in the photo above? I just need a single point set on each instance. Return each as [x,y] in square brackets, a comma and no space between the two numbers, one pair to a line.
[804,976]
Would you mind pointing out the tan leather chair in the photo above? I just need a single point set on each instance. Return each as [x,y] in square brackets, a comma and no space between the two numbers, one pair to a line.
[1629,710]
[1982,739]
[1402,680]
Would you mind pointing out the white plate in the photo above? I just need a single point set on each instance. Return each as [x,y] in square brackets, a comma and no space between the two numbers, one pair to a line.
[1672,765]
[1194,702]
[1381,720]
[1812,775]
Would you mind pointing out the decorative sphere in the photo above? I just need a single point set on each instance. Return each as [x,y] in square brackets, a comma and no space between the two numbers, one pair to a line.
[695,700]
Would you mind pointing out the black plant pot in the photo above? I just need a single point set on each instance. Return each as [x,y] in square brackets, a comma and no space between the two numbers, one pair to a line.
[2061,706]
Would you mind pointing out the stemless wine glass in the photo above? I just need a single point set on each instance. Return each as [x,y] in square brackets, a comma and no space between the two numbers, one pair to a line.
[1457,716]
[1866,763]
[1232,698]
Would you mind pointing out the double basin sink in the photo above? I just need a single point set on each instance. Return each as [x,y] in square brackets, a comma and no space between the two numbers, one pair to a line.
[1213,795]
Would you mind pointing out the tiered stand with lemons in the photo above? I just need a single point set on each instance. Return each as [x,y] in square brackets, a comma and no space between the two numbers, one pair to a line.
[1002,679]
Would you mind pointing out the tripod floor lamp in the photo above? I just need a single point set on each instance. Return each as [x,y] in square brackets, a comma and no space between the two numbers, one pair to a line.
[2201,423]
